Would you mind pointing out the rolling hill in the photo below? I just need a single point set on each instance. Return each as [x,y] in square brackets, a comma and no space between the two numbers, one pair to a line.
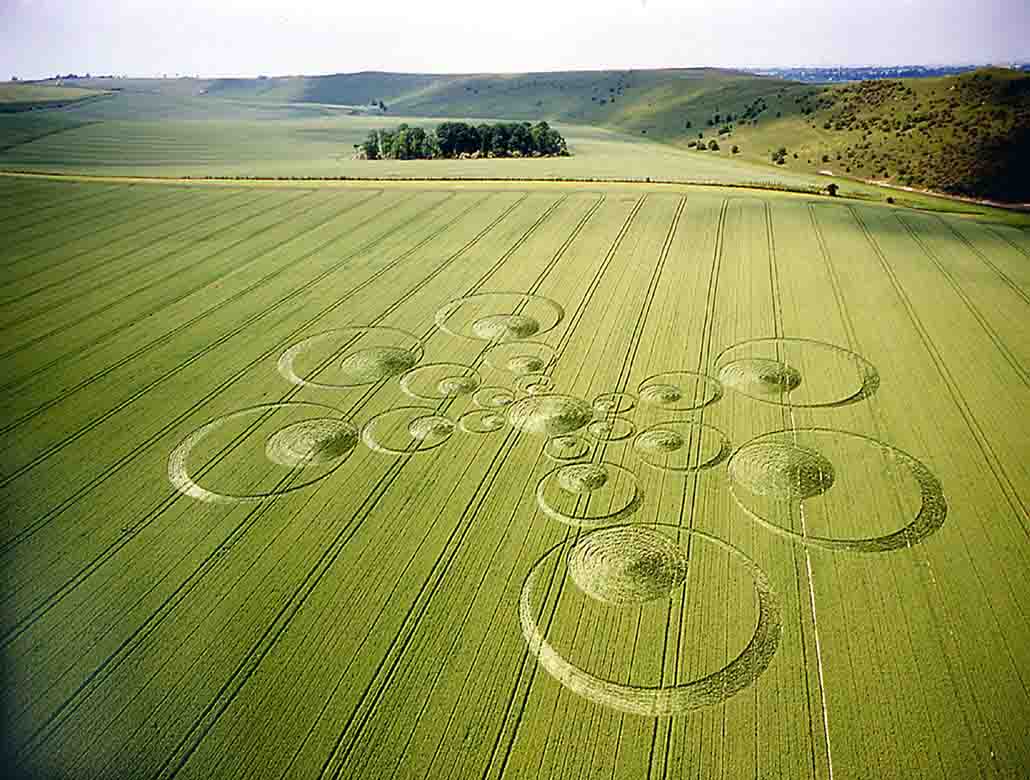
[963,135]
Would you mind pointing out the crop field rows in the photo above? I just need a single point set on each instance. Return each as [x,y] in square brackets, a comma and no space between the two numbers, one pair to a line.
[429,481]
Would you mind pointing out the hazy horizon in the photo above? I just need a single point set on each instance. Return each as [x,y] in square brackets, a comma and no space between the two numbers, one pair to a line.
[144,38]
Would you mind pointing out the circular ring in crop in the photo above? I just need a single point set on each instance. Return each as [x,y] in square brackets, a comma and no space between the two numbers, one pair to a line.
[643,575]
[813,484]
[260,452]
[589,494]
[797,372]
[407,430]
[520,357]
[440,381]
[499,316]
[679,391]
[350,357]
[682,445]
[611,429]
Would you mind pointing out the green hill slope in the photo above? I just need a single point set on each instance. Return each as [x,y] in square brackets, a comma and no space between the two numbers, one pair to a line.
[966,135]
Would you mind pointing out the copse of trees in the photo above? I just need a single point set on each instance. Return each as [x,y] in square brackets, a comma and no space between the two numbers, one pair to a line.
[459,139]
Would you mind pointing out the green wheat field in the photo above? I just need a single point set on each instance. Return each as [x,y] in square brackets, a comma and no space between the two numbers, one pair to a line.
[510,480]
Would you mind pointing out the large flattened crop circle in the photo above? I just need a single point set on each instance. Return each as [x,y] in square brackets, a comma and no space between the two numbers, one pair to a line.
[836,490]
[589,494]
[551,414]
[260,452]
[350,357]
[634,570]
[797,372]
[499,316]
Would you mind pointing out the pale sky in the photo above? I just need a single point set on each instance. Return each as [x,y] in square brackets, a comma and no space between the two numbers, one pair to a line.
[39,38]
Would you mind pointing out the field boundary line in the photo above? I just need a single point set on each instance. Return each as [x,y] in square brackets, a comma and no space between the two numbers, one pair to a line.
[993,462]
[991,333]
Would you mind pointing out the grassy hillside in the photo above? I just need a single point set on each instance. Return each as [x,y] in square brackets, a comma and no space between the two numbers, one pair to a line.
[26,97]
[966,135]
[962,135]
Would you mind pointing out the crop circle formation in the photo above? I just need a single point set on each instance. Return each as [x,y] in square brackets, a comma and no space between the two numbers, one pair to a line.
[797,372]
[260,452]
[493,397]
[628,566]
[567,447]
[682,445]
[679,391]
[520,357]
[551,414]
[482,421]
[589,494]
[350,357]
[407,430]
[440,381]
[822,487]
[499,316]
[611,429]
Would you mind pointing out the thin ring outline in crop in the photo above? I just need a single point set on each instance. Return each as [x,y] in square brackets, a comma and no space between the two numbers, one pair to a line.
[498,356]
[670,426]
[534,384]
[933,509]
[481,421]
[869,376]
[590,520]
[614,403]
[486,397]
[416,413]
[578,447]
[290,355]
[178,469]
[611,430]
[516,300]
[459,372]
[656,701]
[713,390]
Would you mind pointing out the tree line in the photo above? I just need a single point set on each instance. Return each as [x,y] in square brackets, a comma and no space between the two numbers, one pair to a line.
[459,139]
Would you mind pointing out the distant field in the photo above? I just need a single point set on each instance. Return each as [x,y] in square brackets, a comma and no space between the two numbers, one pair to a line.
[21,97]
[308,482]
